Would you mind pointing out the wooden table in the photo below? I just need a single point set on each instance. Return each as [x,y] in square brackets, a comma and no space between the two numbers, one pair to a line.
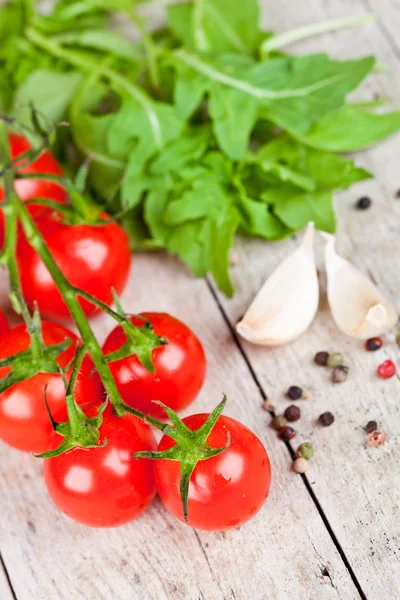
[332,534]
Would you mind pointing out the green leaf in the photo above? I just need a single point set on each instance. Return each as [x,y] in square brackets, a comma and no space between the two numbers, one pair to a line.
[258,220]
[179,20]
[203,200]
[292,91]
[234,115]
[221,234]
[146,130]
[296,210]
[102,40]
[189,147]
[350,129]
[217,25]
[49,91]
[306,167]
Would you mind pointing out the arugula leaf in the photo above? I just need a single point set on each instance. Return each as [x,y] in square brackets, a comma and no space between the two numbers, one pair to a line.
[104,41]
[306,167]
[350,129]
[143,130]
[50,93]
[296,210]
[258,220]
[293,91]
[217,25]
[190,146]
[234,115]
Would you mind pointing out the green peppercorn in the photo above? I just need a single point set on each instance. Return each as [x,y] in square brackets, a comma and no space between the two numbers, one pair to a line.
[305,450]
[335,359]
[278,422]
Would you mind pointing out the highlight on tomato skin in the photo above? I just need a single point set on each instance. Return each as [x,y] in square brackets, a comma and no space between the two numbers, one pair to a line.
[27,189]
[94,258]
[180,367]
[105,486]
[225,491]
[24,422]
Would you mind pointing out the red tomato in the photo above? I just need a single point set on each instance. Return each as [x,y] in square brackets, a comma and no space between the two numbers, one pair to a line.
[24,422]
[3,323]
[28,189]
[226,490]
[93,258]
[105,487]
[180,367]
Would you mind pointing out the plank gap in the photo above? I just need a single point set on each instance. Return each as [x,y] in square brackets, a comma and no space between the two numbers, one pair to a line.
[8,578]
[290,449]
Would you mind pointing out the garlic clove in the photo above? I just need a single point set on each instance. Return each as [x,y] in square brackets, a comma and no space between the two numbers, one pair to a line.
[358,307]
[287,302]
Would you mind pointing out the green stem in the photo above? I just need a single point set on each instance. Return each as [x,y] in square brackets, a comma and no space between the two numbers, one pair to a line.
[10,244]
[69,295]
[82,62]
[73,414]
[289,37]
[150,49]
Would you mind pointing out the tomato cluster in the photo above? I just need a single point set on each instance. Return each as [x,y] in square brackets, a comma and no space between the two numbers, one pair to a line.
[105,485]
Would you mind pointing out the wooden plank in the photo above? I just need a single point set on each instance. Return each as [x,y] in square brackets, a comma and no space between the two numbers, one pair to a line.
[285,552]
[353,482]
[5,590]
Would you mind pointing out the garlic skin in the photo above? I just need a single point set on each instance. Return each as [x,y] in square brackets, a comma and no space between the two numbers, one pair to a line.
[287,302]
[358,307]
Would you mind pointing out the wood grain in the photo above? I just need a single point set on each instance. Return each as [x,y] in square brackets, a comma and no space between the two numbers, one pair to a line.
[355,484]
[5,590]
[285,549]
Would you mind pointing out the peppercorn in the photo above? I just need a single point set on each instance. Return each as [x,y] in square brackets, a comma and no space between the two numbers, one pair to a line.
[294,392]
[321,358]
[371,426]
[305,450]
[363,203]
[287,433]
[376,438]
[269,405]
[373,344]
[278,422]
[292,413]
[300,465]
[386,370]
[335,359]
[339,374]
[326,419]
[398,339]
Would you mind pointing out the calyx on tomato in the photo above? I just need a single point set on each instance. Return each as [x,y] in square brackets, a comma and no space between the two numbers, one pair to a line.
[79,431]
[38,358]
[141,341]
[189,449]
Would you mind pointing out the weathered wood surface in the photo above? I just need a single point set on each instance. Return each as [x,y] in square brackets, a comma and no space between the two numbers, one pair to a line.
[315,540]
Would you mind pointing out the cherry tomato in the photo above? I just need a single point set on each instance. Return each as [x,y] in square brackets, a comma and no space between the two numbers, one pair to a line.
[226,490]
[24,422]
[28,189]
[93,258]
[180,367]
[105,487]
[3,323]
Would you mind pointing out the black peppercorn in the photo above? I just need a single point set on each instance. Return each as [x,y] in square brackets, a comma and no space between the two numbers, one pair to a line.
[294,392]
[287,433]
[326,419]
[373,344]
[371,426]
[321,358]
[363,203]
[292,413]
